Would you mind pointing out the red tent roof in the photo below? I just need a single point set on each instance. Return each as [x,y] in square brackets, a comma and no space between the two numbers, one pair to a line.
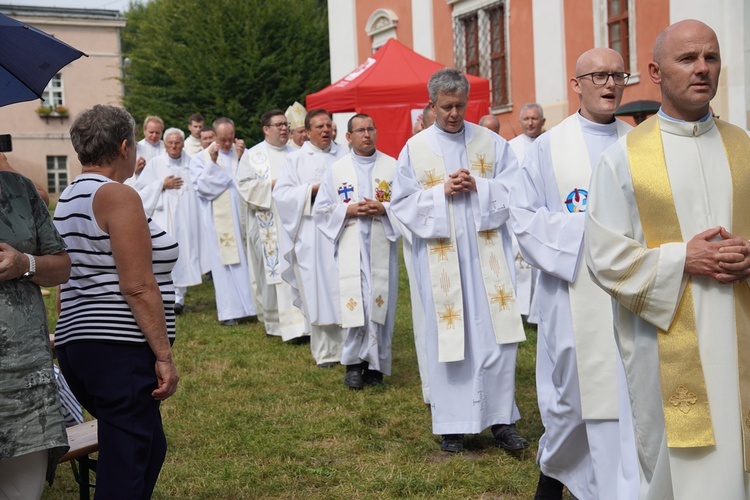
[387,86]
[394,74]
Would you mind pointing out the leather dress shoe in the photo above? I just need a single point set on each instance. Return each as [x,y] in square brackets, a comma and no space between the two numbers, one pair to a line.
[179,309]
[373,377]
[507,438]
[353,378]
[452,443]
[229,322]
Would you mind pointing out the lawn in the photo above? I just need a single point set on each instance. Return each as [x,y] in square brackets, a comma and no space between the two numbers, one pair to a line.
[256,418]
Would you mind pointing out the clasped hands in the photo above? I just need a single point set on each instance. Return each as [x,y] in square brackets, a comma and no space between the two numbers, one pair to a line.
[460,181]
[365,208]
[726,260]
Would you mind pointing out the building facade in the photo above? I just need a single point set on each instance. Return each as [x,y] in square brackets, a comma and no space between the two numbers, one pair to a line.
[40,129]
[528,48]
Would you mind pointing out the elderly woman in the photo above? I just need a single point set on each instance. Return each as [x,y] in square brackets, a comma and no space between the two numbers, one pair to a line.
[116,325]
[32,432]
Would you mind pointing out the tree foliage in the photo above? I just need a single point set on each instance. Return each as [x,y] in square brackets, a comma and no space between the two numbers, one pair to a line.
[223,58]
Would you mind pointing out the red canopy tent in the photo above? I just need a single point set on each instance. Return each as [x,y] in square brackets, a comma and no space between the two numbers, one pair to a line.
[387,86]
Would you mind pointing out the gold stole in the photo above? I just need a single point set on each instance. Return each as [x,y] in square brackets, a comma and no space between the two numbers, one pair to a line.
[350,282]
[266,221]
[590,307]
[684,396]
[224,216]
[445,279]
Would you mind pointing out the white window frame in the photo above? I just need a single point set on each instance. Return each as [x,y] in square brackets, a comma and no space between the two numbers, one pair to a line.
[53,94]
[381,27]
[59,166]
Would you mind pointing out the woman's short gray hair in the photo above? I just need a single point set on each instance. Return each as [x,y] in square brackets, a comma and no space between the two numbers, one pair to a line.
[448,81]
[98,132]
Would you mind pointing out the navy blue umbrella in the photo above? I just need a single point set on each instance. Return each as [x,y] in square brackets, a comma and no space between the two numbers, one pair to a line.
[29,58]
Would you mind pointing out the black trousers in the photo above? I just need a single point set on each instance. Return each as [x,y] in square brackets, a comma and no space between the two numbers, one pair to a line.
[114,383]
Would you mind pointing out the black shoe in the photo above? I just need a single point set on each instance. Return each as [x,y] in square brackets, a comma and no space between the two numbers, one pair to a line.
[353,377]
[548,488]
[305,339]
[452,443]
[373,377]
[229,322]
[178,309]
[249,319]
[329,364]
[507,438]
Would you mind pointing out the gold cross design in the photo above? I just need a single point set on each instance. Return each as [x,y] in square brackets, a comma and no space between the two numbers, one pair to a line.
[432,180]
[481,165]
[226,239]
[351,304]
[442,247]
[502,298]
[379,301]
[747,421]
[488,236]
[449,316]
[683,399]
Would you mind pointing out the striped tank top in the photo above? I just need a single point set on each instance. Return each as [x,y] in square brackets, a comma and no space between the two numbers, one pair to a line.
[92,306]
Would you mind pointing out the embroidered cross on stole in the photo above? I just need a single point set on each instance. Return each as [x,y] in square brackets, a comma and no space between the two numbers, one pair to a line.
[266,221]
[687,416]
[447,295]
[350,281]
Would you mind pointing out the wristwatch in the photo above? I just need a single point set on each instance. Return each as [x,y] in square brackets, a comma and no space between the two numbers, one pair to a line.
[32,268]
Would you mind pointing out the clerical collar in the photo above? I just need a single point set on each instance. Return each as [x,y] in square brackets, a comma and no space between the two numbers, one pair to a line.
[594,128]
[363,160]
[463,127]
[277,148]
[316,149]
[662,114]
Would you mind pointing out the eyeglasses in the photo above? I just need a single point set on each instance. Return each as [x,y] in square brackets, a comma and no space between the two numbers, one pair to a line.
[173,143]
[361,131]
[279,125]
[600,78]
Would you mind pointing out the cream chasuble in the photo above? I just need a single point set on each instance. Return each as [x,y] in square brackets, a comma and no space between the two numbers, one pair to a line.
[590,307]
[345,183]
[443,259]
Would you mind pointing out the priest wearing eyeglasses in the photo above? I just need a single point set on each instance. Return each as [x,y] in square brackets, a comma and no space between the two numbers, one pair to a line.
[580,384]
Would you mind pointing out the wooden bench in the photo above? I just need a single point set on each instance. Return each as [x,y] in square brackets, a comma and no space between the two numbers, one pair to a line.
[83,440]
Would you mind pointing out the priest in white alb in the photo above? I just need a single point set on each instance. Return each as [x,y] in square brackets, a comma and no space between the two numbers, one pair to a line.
[451,192]
[667,230]
[213,174]
[257,174]
[579,375]
[351,210]
[149,147]
[171,201]
[308,263]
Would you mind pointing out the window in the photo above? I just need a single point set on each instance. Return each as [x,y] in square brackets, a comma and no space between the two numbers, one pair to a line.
[618,29]
[53,94]
[57,174]
[381,27]
[479,38]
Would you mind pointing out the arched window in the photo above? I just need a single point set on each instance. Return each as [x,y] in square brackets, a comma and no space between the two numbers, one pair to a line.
[381,27]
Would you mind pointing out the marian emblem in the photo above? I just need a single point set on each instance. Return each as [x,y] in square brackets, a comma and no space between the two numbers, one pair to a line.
[344,191]
[576,201]
[382,191]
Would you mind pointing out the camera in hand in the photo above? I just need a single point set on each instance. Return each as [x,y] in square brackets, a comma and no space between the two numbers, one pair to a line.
[6,143]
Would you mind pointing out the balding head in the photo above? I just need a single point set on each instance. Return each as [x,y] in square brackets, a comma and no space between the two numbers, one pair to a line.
[599,101]
[490,122]
[686,66]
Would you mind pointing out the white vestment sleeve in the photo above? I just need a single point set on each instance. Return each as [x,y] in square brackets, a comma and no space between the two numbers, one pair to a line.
[423,211]
[256,192]
[328,213]
[490,203]
[150,187]
[550,238]
[648,282]
[292,199]
[208,178]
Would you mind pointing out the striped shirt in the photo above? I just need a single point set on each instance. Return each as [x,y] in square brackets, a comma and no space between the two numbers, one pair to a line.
[93,308]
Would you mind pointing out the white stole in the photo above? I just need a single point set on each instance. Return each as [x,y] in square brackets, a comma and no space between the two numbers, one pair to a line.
[350,281]
[590,307]
[223,214]
[447,295]
[260,162]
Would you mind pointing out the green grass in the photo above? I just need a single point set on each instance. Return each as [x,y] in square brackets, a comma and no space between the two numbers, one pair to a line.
[255,418]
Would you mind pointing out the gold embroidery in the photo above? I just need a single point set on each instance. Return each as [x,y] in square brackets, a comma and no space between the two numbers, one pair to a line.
[442,247]
[747,421]
[351,304]
[227,240]
[683,400]
[502,298]
[379,301]
[488,236]
[445,282]
[449,316]
[481,165]
[432,180]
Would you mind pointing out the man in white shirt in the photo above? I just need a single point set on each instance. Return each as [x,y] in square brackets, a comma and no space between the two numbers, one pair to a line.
[193,141]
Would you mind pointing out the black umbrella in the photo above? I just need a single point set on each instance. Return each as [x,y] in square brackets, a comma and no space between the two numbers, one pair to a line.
[29,58]
[639,110]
